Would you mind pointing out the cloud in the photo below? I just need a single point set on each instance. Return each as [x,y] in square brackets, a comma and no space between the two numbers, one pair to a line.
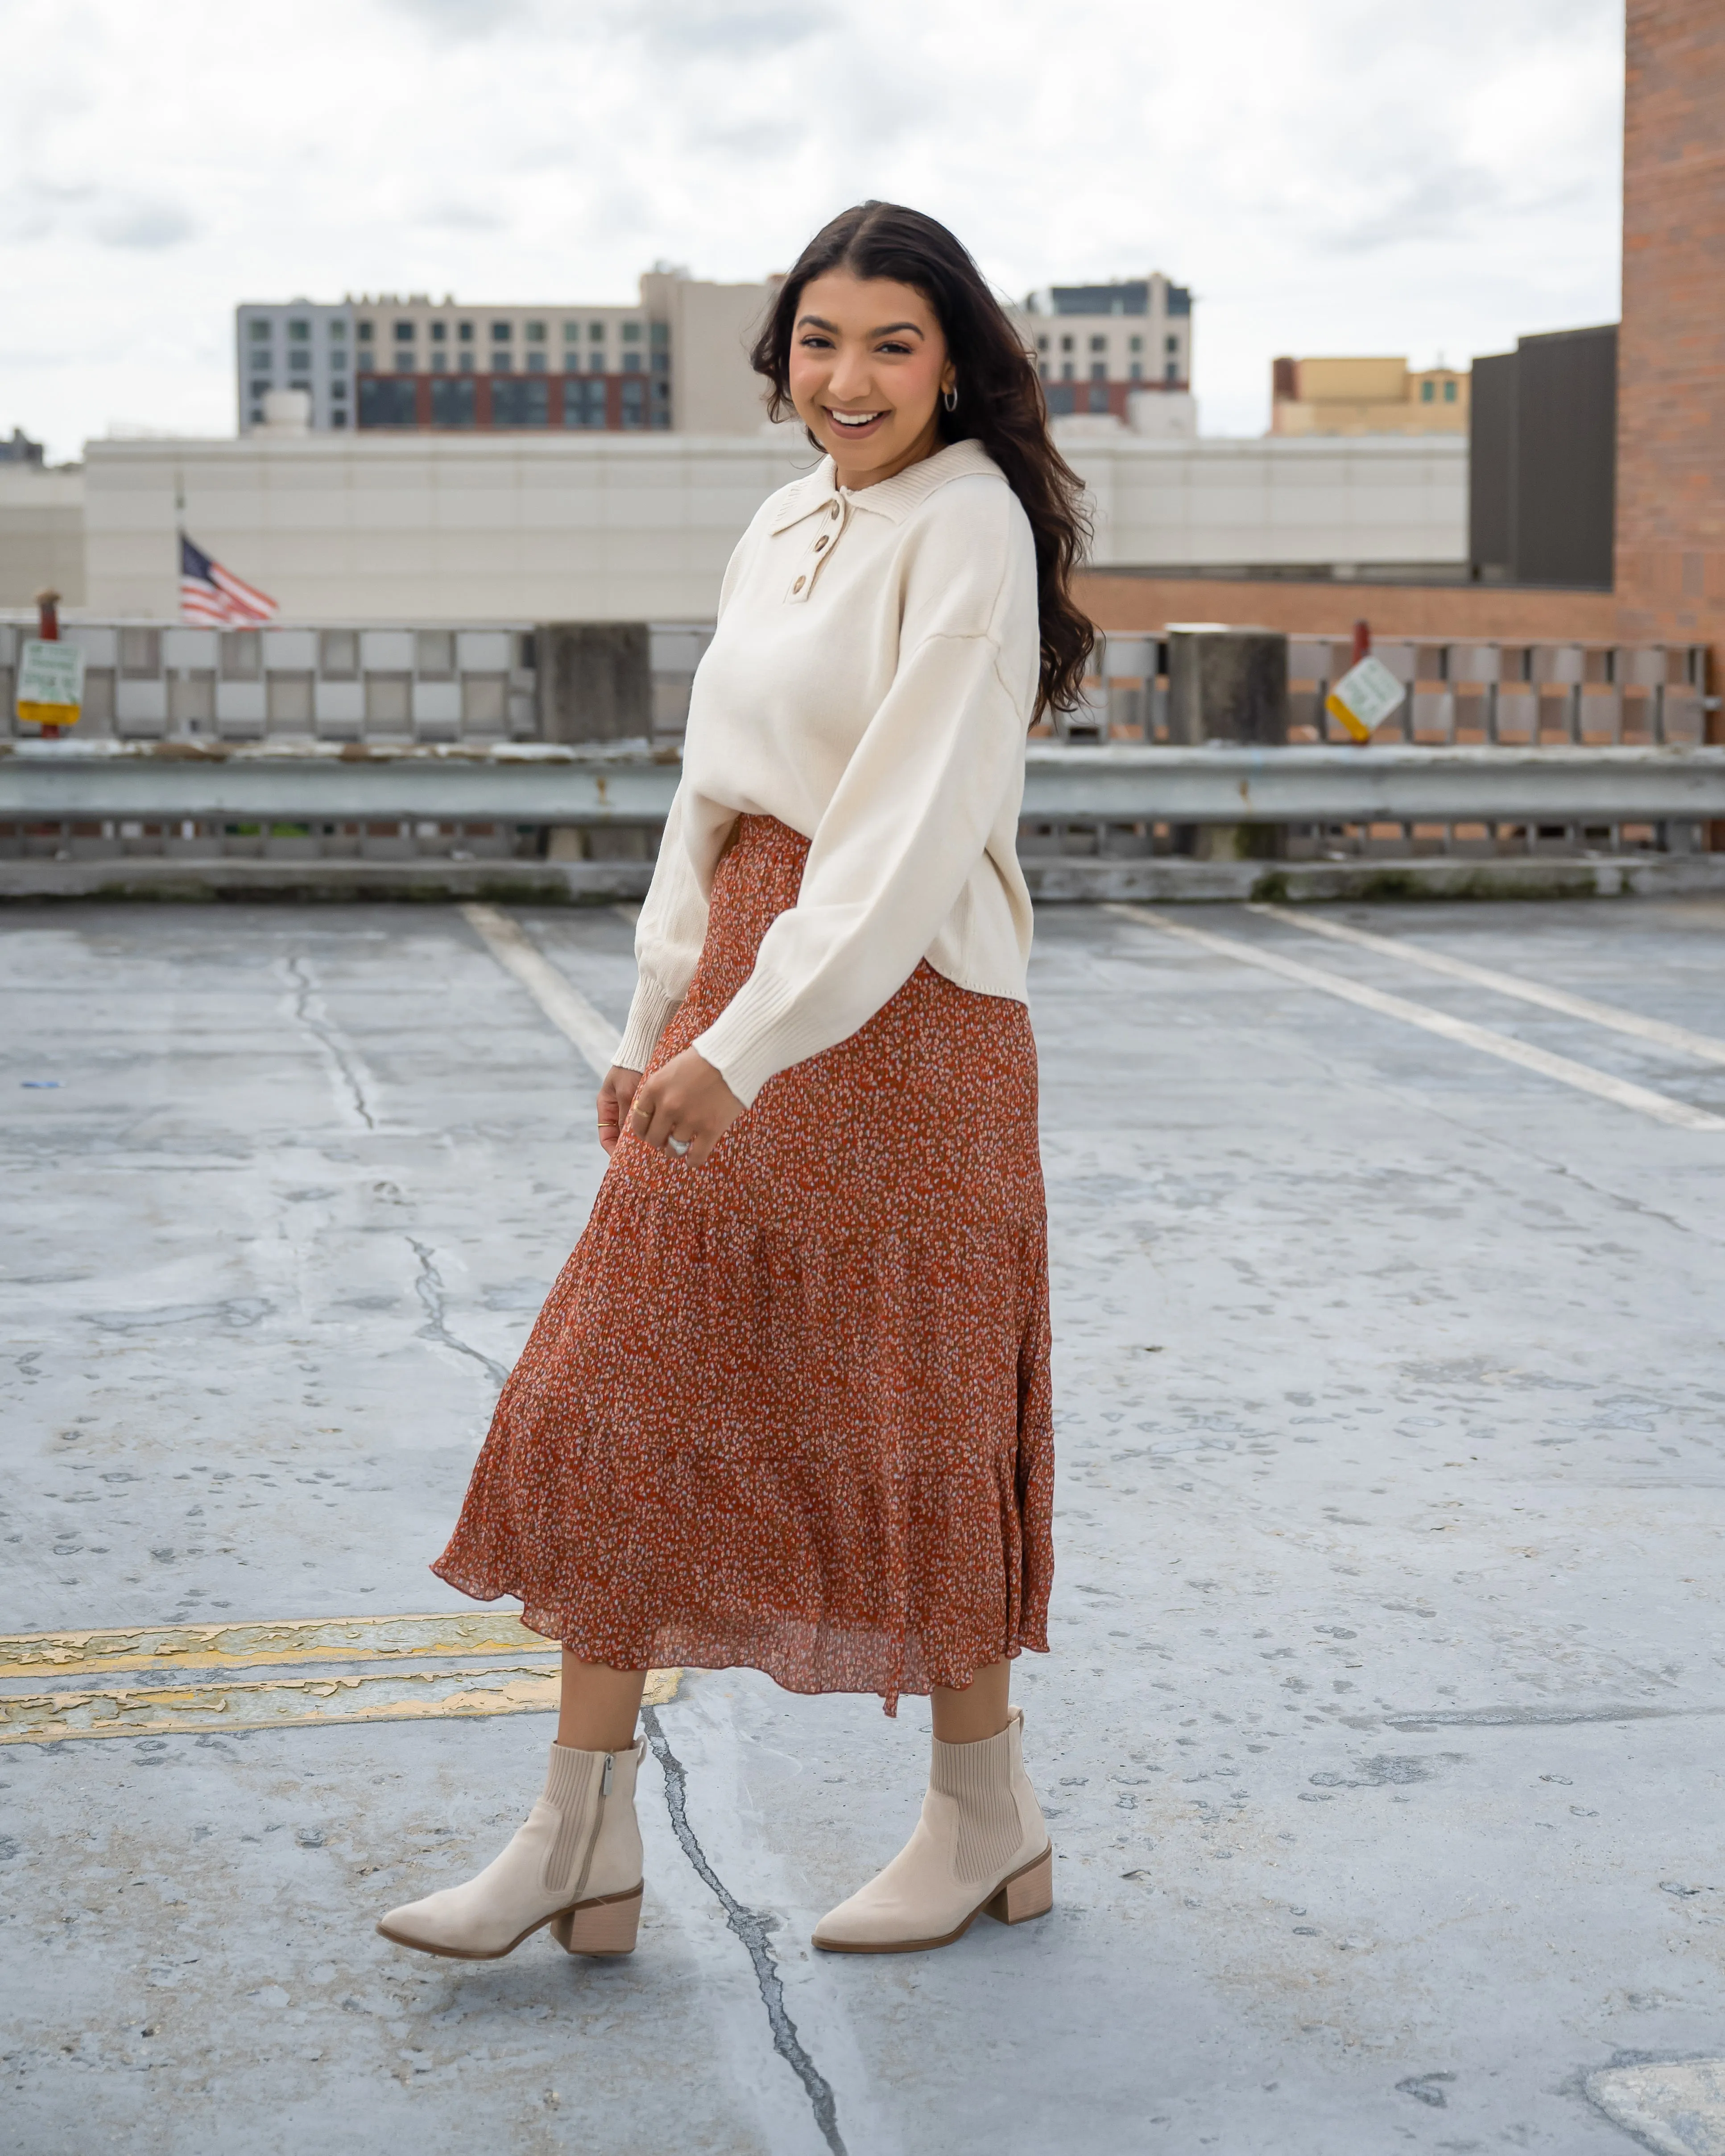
[1338,176]
[144,224]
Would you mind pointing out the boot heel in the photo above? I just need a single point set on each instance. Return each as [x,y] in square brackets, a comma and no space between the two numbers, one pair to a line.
[1026,1893]
[605,1927]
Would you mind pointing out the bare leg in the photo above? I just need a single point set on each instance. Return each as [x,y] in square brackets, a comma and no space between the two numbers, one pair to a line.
[979,1711]
[599,1706]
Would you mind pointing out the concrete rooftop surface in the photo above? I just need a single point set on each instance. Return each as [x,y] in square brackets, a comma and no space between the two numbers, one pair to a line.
[1381,1742]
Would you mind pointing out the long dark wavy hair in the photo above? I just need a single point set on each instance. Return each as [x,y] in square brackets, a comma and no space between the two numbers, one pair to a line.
[999,402]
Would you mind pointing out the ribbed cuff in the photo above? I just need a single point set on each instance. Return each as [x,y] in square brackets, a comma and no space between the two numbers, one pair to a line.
[745,1043]
[648,1015]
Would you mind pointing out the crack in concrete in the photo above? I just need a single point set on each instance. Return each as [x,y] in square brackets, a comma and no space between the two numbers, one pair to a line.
[1536,1717]
[429,1289]
[332,1041]
[752,1929]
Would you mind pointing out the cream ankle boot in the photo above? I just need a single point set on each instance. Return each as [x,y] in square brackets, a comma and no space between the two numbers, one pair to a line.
[979,1847]
[575,1866]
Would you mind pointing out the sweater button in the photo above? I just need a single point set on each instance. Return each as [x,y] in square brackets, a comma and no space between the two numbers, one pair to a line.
[834,510]
[800,583]
[821,541]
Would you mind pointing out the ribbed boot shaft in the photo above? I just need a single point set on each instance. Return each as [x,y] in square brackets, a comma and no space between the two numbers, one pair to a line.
[571,1787]
[979,1779]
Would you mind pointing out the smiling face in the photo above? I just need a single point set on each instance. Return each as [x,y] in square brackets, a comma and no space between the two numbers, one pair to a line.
[868,363]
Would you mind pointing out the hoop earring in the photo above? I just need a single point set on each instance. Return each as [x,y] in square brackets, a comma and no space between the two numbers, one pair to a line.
[949,397]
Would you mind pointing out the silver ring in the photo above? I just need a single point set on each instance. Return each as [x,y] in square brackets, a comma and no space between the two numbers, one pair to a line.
[680,1145]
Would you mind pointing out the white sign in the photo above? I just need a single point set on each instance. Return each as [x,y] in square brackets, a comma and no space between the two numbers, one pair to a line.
[50,681]
[1364,697]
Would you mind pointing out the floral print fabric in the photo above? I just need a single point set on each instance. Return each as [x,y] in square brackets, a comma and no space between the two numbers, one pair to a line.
[791,1408]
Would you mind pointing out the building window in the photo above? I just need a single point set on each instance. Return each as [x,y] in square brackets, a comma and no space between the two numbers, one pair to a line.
[1135,344]
[405,364]
[1099,370]
[535,332]
[338,418]
[468,362]
[338,336]
[1065,344]
[439,332]
[1061,397]
[384,401]
[1172,346]
[1171,372]
[631,333]
[1042,344]
[661,362]
[572,332]
[463,333]
[535,362]
[502,362]
[1099,344]
[1427,393]
[584,403]
[454,401]
[572,362]
[1449,392]
[261,388]
[257,413]
[439,362]
[1066,374]
[596,332]
[259,332]
[596,362]
[404,332]
[631,362]
[502,332]
[522,402]
[1136,370]
[634,400]
[298,332]
[299,383]
[363,333]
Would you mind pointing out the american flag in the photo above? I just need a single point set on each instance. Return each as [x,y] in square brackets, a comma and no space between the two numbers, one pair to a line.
[214,597]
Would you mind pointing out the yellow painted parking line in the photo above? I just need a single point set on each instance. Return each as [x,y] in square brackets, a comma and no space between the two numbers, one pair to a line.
[569,1011]
[1582,1076]
[1657,1030]
[251,1646]
[280,1702]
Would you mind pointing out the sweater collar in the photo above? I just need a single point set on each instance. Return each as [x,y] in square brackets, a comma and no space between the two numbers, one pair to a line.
[894,498]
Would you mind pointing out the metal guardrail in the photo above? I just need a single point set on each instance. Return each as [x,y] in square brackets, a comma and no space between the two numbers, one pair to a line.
[1114,784]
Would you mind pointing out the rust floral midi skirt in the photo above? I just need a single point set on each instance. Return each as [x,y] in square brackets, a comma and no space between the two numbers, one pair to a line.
[791,1408]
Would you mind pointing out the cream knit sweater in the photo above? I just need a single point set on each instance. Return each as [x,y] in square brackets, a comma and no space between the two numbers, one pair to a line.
[870,684]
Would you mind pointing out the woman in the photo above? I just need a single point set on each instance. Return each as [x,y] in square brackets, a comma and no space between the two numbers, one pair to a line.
[788,1406]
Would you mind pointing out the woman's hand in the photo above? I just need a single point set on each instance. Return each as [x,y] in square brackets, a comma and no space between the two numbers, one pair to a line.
[616,1090]
[687,1100]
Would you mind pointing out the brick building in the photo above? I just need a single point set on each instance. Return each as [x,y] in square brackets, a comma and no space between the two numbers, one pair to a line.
[1098,345]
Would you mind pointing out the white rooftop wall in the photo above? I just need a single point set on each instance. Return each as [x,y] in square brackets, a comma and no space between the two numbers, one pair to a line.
[432,528]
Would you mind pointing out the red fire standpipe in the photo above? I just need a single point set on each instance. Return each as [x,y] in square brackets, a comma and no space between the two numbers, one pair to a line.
[1362,641]
[47,629]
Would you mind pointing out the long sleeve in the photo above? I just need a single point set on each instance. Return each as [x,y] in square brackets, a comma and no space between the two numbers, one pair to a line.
[933,786]
[668,940]
[672,926]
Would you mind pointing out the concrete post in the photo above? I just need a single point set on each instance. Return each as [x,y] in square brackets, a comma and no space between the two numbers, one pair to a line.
[595,681]
[1228,684]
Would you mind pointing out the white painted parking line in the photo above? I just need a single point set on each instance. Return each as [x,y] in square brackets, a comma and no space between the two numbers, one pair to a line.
[563,1003]
[1655,1030]
[1504,1046]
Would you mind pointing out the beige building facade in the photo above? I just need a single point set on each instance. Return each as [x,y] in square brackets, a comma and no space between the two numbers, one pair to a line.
[1366,396]
[430,529]
[676,362]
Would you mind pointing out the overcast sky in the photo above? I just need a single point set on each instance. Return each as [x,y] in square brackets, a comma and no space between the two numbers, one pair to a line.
[1328,175]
